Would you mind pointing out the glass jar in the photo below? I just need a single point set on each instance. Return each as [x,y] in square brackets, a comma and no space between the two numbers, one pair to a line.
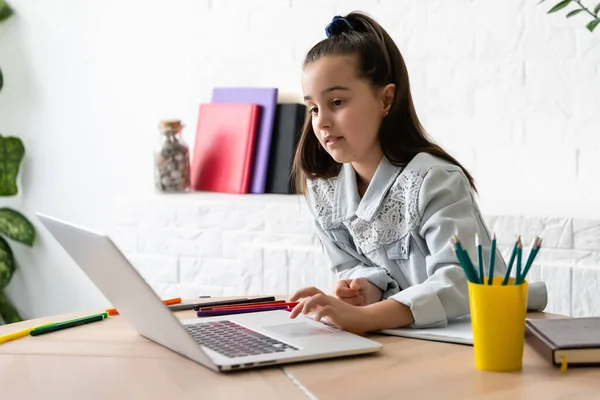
[172,159]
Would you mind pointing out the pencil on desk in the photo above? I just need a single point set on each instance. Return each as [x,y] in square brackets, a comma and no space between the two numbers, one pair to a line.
[213,313]
[21,333]
[68,324]
[252,305]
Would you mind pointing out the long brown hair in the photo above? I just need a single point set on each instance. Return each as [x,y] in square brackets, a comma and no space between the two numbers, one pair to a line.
[379,61]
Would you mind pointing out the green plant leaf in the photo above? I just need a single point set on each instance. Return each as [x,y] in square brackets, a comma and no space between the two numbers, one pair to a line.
[16,226]
[11,154]
[541,1]
[7,263]
[597,9]
[5,10]
[560,6]
[574,12]
[8,311]
[1,80]
[593,24]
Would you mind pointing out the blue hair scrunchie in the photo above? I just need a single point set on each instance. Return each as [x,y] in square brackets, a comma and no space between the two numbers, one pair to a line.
[338,25]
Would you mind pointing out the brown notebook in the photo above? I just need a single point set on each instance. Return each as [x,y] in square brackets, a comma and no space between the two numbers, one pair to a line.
[575,339]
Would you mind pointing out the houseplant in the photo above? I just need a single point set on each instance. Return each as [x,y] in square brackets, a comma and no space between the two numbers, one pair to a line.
[13,224]
[579,8]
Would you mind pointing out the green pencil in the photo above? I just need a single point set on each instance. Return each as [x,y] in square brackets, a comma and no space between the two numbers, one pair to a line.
[471,267]
[480,258]
[68,324]
[519,256]
[535,247]
[464,260]
[510,263]
[461,260]
[492,260]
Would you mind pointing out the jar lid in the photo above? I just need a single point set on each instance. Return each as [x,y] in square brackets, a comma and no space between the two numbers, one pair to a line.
[170,124]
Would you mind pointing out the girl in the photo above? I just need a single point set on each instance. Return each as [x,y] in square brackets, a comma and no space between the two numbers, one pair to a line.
[386,199]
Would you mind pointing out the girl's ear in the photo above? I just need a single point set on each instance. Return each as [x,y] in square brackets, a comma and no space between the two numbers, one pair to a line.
[387,97]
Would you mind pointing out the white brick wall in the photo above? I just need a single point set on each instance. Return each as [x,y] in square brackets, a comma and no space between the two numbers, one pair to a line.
[217,244]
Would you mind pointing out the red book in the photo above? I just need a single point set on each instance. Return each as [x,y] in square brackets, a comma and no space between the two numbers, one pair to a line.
[224,147]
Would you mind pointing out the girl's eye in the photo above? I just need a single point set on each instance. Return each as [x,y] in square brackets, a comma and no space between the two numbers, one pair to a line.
[336,103]
[313,110]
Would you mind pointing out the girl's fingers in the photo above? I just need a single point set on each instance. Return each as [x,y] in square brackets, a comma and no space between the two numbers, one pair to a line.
[305,292]
[323,313]
[314,302]
[345,292]
[355,301]
[297,309]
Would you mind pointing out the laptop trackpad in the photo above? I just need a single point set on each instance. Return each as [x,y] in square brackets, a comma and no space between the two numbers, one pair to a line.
[298,329]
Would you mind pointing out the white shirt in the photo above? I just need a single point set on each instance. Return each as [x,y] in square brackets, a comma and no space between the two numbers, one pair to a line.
[398,235]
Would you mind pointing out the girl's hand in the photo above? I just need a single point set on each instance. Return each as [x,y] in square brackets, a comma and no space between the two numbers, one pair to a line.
[357,292]
[345,316]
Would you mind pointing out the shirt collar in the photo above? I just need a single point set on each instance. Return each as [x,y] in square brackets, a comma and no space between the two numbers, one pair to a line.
[349,204]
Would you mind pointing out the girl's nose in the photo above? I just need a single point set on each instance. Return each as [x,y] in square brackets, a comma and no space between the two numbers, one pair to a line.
[323,121]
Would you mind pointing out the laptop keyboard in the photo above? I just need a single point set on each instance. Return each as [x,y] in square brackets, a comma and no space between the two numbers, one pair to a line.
[233,340]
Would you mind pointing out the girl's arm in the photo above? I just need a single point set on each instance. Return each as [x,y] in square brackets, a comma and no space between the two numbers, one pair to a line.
[446,208]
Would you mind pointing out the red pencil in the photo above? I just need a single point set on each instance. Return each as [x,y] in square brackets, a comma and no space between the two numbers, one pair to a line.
[256,305]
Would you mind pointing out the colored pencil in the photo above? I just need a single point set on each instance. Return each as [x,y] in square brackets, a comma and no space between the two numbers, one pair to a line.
[463,259]
[68,324]
[255,305]
[519,256]
[21,333]
[234,301]
[510,263]
[535,248]
[213,313]
[492,260]
[480,258]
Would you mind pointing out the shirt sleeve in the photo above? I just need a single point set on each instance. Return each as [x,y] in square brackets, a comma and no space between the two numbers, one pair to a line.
[446,208]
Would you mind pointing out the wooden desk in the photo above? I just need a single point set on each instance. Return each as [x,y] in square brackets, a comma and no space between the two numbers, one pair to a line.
[410,368]
[109,360]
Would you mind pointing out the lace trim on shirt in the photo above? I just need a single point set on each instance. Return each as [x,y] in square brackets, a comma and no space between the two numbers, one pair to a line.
[322,192]
[397,216]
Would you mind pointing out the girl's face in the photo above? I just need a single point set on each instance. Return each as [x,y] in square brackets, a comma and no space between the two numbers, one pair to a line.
[346,111]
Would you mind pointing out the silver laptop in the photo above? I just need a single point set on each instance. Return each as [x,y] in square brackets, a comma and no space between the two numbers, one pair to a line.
[223,343]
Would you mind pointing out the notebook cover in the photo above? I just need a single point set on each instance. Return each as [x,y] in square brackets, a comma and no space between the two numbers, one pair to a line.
[549,335]
[267,99]
[289,120]
[224,147]
[458,331]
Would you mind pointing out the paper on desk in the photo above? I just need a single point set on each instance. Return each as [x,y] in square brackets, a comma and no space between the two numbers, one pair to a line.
[458,331]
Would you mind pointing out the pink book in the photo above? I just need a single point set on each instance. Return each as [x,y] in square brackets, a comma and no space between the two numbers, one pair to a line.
[224,147]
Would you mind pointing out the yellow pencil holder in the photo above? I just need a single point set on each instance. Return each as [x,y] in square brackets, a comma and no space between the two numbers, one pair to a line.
[498,315]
